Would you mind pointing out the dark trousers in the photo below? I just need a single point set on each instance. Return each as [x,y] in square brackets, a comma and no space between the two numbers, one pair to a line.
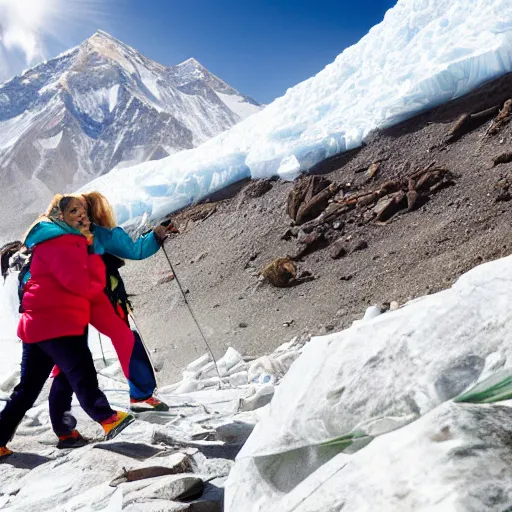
[142,384]
[72,355]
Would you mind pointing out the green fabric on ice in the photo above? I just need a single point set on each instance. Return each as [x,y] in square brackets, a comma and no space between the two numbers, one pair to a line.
[496,388]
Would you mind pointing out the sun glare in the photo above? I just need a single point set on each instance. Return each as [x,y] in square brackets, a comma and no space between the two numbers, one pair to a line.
[28,26]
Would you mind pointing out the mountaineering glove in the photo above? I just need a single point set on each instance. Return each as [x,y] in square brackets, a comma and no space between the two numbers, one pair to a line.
[164,230]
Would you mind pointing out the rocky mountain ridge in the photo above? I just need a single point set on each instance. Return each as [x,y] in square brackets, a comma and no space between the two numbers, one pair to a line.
[100,106]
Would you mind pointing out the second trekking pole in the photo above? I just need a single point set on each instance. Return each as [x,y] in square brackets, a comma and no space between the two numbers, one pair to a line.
[192,312]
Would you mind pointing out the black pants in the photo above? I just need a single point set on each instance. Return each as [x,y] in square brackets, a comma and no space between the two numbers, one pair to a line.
[142,384]
[72,355]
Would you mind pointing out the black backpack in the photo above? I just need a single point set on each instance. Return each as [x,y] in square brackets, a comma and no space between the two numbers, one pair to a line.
[115,289]
[6,252]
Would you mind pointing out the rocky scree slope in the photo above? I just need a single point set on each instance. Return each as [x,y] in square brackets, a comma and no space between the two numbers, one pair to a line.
[432,200]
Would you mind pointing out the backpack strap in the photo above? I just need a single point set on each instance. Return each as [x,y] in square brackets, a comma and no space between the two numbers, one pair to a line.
[115,289]
[23,277]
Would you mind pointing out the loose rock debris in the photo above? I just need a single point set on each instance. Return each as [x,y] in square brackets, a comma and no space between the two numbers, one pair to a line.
[257,188]
[501,120]
[310,242]
[321,209]
[309,198]
[187,218]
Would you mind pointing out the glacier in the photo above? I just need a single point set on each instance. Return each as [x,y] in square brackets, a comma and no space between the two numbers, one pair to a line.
[423,54]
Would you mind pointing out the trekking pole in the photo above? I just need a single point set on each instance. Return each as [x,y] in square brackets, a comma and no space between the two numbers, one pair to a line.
[192,313]
[101,347]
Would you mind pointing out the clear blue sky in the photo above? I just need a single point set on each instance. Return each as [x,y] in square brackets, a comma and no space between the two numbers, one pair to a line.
[260,47]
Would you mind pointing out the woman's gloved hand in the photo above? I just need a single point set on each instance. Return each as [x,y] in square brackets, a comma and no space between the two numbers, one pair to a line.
[162,231]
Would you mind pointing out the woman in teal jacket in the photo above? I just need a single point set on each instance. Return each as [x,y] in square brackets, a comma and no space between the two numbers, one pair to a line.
[112,244]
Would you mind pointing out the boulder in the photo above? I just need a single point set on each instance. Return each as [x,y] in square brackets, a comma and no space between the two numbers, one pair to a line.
[454,458]
[172,488]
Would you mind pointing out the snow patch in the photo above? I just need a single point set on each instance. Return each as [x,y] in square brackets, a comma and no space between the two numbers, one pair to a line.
[97,103]
[113,93]
[51,142]
[238,104]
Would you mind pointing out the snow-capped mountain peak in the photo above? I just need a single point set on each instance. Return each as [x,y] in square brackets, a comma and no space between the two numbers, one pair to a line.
[191,74]
[99,106]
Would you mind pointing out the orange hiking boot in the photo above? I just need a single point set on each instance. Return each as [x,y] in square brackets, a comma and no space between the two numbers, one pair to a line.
[4,452]
[116,424]
[72,440]
[148,404]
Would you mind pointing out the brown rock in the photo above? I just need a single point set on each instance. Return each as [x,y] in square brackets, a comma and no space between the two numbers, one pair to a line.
[367,199]
[502,190]
[501,119]
[257,188]
[504,158]
[166,279]
[412,197]
[360,245]
[458,128]
[384,208]
[303,191]
[310,242]
[389,205]
[332,210]
[468,122]
[174,464]
[338,249]
[372,170]
[311,208]
[307,238]
[288,234]
[280,273]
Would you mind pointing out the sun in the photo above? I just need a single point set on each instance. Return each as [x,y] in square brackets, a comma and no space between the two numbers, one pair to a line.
[27,27]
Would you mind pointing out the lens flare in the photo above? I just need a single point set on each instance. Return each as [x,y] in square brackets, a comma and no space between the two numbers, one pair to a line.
[28,27]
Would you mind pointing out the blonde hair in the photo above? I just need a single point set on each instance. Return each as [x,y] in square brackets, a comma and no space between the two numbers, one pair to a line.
[99,209]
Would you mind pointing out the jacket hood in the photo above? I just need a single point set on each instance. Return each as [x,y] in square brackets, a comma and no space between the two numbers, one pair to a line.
[46,230]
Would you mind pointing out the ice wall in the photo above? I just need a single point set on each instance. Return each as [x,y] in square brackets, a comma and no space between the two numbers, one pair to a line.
[424,53]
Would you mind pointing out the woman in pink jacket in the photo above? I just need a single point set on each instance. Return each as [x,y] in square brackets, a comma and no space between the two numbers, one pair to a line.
[56,310]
